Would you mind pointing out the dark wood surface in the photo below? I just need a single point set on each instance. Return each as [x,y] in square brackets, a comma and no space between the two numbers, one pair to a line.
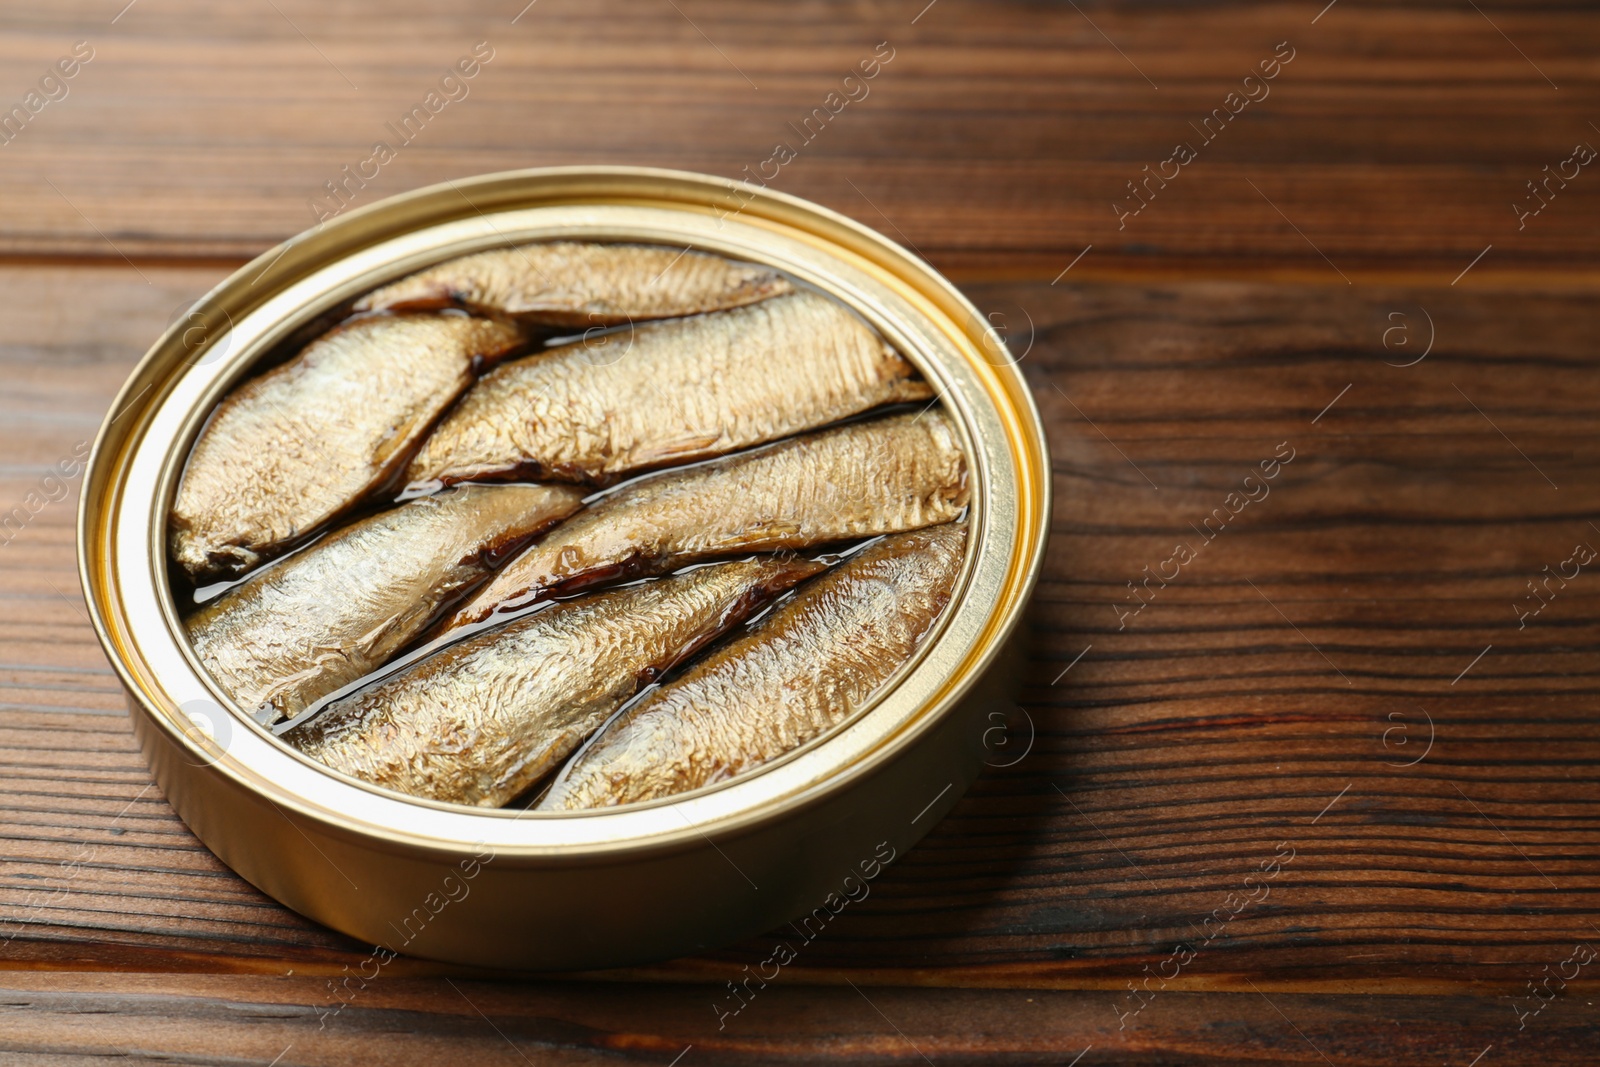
[1340,672]
[998,136]
[80,1019]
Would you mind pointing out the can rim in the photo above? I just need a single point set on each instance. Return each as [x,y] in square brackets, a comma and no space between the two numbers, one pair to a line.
[421,209]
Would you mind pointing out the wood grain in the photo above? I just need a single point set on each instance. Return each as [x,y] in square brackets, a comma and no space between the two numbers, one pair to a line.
[1338,676]
[995,141]
[81,1019]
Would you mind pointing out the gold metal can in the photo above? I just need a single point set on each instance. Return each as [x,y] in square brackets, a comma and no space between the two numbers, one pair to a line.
[515,888]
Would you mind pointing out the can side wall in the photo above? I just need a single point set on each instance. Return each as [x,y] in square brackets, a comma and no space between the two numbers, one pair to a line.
[613,910]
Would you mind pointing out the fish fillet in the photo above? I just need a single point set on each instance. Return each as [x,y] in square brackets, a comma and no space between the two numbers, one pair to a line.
[288,451]
[855,481]
[337,610]
[565,283]
[805,668]
[668,393]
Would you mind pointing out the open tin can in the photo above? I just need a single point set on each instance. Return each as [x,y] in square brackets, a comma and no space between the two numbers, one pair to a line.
[523,889]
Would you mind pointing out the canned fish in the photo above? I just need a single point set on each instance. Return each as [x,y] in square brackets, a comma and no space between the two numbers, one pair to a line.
[264,463]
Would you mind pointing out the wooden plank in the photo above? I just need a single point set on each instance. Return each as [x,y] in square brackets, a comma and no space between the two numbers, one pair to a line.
[292,1020]
[1311,682]
[997,139]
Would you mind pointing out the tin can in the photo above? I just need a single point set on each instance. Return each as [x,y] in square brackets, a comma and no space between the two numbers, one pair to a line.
[519,889]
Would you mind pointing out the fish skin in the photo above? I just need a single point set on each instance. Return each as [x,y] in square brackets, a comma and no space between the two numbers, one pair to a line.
[855,481]
[290,450]
[482,720]
[323,618]
[567,283]
[802,670]
[679,392]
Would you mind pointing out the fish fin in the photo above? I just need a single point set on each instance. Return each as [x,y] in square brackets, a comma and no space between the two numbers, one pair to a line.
[410,295]
[684,448]
[773,532]
[911,389]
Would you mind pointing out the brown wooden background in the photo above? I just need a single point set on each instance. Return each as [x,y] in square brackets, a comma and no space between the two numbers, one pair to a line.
[1316,676]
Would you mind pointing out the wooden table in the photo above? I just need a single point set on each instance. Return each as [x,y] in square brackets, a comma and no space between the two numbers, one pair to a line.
[1346,693]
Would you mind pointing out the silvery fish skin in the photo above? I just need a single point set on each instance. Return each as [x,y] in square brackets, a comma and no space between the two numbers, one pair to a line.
[288,451]
[668,393]
[802,670]
[338,609]
[564,283]
[482,720]
[855,481]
